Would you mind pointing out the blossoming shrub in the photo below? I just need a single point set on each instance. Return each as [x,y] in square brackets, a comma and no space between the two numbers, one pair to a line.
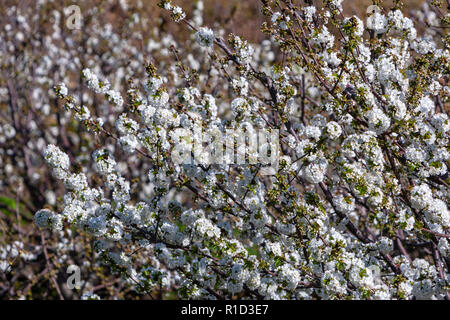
[357,205]
[38,51]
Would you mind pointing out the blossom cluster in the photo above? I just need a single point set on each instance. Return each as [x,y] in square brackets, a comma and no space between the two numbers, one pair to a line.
[334,220]
[357,206]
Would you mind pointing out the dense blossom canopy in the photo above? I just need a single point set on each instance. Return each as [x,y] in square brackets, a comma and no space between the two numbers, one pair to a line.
[356,205]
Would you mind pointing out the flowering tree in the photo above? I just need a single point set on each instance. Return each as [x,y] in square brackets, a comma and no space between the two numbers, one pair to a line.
[310,166]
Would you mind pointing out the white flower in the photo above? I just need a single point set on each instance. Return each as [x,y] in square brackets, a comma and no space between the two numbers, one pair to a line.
[105,164]
[313,132]
[344,204]
[159,99]
[385,245]
[415,154]
[377,22]
[309,13]
[58,160]
[290,276]
[444,247]
[76,182]
[334,282]
[425,107]
[437,213]
[359,28]
[254,280]
[126,125]
[281,20]
[90,296]
[206,228]
[129,143]
[424,46]
[324,37]
[334,130]
[421,196]
[378,120]
[45,218]
[8,131]
[63,89]
[205,37]
[315,171]
[239,106]
[440,122]
[114,97]
[83,114]
[93,82]
[241,86]
[177,13]
[337,4]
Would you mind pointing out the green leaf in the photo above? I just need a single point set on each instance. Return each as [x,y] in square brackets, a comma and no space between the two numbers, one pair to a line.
[278,262]
[10,202]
